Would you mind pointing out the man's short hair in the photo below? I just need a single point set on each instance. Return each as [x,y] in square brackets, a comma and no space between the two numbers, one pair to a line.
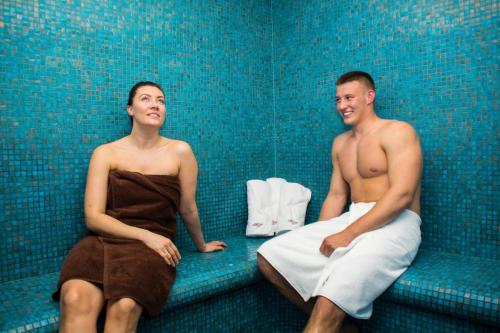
[356,76]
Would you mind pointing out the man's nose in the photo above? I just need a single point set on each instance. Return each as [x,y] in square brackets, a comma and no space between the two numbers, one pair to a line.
[342,104]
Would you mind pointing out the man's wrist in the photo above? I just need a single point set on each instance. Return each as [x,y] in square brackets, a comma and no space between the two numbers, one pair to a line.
[352,231]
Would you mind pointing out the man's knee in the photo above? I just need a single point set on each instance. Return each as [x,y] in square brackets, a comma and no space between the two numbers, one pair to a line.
[326,309]
[264,265]
[261,262]
[266,268]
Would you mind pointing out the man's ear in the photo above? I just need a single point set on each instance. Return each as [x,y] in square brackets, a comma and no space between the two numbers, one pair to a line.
[370,94]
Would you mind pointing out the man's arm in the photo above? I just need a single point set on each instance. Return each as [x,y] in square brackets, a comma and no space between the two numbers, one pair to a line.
[336,199]
[404,158]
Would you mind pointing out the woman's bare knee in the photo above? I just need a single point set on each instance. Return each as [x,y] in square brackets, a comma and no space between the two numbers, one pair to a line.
[122,315]
[80,298]
[126,306]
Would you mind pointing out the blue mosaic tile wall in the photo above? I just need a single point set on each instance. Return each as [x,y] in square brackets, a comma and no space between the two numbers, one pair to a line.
[250,85]
[66,68]
[435,65]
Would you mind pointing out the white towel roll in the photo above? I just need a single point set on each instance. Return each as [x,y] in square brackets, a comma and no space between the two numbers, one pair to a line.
[275,186]
[294,199]
[259,208]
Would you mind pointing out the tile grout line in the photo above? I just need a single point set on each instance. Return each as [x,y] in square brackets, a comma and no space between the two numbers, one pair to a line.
[275,139]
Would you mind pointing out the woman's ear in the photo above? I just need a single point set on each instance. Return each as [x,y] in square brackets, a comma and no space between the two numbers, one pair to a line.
[129,110]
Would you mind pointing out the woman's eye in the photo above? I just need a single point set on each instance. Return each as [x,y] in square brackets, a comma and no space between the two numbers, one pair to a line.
[162,102]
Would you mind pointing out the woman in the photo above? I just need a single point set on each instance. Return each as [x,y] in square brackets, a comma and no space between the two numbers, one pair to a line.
[134,187]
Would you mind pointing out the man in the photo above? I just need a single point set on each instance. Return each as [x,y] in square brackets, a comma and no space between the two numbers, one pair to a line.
[339,265]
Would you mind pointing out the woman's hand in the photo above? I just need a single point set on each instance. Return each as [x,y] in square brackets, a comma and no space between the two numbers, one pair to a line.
[214,246]
[164,247]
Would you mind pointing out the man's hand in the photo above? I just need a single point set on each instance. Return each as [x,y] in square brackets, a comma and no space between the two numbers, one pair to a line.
[333,242]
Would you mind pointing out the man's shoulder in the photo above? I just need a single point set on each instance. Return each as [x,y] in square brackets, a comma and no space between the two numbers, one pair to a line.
[397,131]
[340,140]
[398,125]
[343,136]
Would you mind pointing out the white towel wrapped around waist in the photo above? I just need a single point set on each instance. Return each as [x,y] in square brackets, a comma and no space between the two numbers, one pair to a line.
[354,276]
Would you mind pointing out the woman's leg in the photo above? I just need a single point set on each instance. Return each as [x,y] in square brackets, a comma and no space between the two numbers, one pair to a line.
[80,304]
[122,315]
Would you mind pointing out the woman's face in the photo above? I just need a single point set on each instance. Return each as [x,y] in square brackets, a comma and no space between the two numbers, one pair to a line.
[148,106]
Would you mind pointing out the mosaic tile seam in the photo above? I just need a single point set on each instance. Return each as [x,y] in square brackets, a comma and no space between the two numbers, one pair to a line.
[431,61]
[210,59]
[462,286]
[27,302]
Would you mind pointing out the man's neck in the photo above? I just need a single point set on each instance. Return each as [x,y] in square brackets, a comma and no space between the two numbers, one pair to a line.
[366,125]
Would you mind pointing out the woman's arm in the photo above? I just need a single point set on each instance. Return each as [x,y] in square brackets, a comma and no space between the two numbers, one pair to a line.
[95,210]
[188,174]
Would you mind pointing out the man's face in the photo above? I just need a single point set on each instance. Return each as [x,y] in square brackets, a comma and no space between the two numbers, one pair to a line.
[352,100]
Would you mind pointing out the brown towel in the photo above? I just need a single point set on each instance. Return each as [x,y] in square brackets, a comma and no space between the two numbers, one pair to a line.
[128,268]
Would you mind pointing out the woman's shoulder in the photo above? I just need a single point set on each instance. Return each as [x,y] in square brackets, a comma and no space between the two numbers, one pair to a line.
[179,146]
[111,151]
[109,147]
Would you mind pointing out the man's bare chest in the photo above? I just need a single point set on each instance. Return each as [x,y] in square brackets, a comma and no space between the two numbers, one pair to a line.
[362,159]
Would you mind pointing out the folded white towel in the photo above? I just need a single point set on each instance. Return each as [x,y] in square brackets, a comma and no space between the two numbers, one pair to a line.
[294,199]
[275,186]
[259,208]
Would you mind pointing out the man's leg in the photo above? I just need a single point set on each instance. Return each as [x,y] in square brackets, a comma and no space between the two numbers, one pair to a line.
[325,317]
[328,317]
[273,276]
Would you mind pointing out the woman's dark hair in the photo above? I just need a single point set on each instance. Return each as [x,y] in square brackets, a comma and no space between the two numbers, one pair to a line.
[136,86]
[133,91]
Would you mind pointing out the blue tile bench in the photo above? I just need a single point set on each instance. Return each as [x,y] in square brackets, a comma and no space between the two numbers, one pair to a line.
[224,292]
[459,293]
[26,304]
